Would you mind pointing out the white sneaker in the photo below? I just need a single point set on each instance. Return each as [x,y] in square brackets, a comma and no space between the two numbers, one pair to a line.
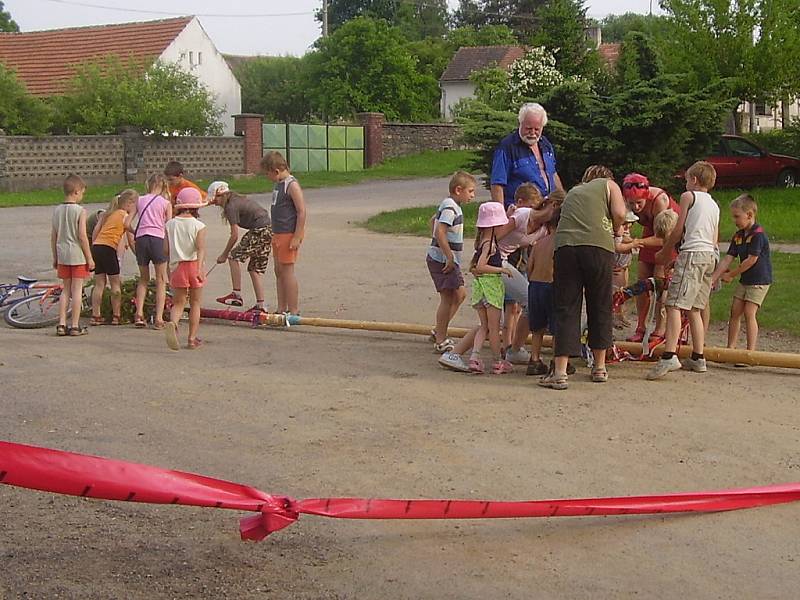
[518,357]
[663,367]
[451,360]
[698,365]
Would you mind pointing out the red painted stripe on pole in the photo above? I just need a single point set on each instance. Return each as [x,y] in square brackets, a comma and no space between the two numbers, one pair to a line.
[101,478]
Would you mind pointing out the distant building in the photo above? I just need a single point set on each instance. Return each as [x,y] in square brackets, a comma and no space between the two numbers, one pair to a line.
[45,61]
[455,83]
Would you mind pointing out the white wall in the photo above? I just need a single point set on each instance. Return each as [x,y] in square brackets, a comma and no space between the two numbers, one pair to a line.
[452,92]
[770,121]
[210,68]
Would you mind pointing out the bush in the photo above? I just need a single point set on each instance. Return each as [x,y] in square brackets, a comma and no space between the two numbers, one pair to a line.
[128,308]
[779,141]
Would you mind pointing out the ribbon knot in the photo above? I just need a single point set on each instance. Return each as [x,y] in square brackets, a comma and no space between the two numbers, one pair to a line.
[276,514]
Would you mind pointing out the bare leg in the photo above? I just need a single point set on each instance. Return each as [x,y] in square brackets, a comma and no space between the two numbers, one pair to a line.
[536,345]
[751,324]
[599,359]
[141,287]
[236,275]
[512,314]
[178,302]
[195,298]
[77,299]
[673,330]
[288,288]
[467,341]
[449,303]
[734,322]
[281,297]
[493,316]
[258,286]
[480,334]
[697,329]
[97,294]
[560,368]
[522,331]
[63,301]
[643,300]
[116,295]
[161,292]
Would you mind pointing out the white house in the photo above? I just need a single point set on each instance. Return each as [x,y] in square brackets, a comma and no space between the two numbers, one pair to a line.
[45,61]
[767,117]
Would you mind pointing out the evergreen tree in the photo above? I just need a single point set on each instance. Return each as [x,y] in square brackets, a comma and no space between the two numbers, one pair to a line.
[6,22]
[561,29]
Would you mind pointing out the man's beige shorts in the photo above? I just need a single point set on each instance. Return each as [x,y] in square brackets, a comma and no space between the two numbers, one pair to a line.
[751,293]
[691,280]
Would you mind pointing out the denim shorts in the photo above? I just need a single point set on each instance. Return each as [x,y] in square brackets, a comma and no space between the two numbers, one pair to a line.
[150,248]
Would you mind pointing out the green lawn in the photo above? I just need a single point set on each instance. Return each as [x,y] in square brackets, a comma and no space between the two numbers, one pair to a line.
[779,213]
[426,164]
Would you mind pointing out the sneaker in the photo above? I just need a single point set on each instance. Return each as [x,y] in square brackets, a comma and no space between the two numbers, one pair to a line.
[536,368]
[662,367]
[446,346]
[501,367]
[256,308]
[232,299]
[697,366]
[637,336]
[518,357]
[555,383]
[453,361]
[171,334]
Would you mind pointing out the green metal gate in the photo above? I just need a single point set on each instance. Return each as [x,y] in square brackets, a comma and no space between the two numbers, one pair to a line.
[317,147]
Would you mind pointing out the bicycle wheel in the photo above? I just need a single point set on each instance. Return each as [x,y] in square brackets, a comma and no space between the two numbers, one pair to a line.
[34,312]
[9,296]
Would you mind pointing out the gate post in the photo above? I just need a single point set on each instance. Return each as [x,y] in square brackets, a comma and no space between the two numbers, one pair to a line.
[249,126]
[373,137]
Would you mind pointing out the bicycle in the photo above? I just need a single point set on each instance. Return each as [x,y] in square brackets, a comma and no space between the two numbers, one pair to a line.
[41,310]
[10,293]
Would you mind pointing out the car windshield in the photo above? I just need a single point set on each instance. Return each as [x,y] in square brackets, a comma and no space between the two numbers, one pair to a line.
[739,147]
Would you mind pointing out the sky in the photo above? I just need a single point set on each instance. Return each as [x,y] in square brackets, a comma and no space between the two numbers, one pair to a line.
[248,27]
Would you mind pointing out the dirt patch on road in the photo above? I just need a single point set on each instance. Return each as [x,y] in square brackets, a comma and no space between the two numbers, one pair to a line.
[334,413]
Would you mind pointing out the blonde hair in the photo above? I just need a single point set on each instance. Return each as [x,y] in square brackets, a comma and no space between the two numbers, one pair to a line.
[460,179]
[596,172]
[157,184]
[704,172]
[274,161]
[117,202]
[745,203]
[664,222]
[529,192]
[72,184]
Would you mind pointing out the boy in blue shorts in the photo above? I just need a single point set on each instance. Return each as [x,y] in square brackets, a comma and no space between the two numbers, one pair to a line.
[751,245]
[444,256]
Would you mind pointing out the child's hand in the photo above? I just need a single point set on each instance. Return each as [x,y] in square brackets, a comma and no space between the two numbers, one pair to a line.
[506,272]
[510,210]
[449,265]
[295,242]
[222,258]
[90,264]
[727,277]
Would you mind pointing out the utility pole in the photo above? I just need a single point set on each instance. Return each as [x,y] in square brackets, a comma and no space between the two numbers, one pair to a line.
[324,18]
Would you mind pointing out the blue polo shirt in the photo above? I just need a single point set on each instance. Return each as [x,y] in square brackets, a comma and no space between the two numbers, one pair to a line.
[753,242]
[514,164]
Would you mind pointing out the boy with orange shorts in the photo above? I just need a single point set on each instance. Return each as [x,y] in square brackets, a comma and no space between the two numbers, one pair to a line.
[288,214]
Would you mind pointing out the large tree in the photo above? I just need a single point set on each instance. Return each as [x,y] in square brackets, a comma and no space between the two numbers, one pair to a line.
[561,29]
[6,22]
[521,16]
[616,27]
[275,86]
[365,66]
[20,113]
[164,100]
[417,19]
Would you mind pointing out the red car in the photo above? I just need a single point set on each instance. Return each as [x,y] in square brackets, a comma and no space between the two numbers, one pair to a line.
[740,163]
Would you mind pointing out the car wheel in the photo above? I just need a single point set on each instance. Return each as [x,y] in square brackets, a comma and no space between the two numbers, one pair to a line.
[787,179]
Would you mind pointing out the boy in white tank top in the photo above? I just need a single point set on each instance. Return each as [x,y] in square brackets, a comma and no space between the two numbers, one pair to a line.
[697,231]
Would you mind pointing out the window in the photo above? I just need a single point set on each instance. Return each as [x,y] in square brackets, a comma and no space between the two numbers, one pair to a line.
[763,109]
[191,58]
[741,147]
[199,58]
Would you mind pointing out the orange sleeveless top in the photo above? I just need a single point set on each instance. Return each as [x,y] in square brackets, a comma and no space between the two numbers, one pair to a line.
[112,230]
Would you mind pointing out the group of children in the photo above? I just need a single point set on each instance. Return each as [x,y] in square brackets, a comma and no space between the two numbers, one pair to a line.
[163,227]
[688,252]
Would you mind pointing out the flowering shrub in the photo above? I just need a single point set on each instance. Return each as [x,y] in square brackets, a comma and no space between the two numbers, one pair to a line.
[532,75]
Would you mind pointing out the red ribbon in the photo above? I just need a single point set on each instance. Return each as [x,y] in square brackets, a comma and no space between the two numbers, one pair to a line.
[102,478]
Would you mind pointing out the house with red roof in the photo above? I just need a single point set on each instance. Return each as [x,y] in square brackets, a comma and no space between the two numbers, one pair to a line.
[45,61]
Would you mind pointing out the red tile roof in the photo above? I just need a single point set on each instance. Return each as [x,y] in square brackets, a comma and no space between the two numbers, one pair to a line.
[47,60]
[469,59]
[609,53]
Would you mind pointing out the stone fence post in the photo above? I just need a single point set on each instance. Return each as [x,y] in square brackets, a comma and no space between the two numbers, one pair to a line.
[373,137]
[249,126]
[133,142]
[3,151]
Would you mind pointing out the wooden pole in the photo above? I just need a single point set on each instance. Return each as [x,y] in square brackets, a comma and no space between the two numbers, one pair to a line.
[722,355]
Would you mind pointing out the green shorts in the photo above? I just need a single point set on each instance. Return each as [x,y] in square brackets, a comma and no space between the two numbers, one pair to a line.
[488,290]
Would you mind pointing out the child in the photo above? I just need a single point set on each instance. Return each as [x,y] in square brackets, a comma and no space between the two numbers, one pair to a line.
[690,286]
[174,173]
[185,244]
[72,257]
[153,210]
[444,256]
[540,293]
[624,247]
[240,211]
[288,214]
[108,246]
[751,245]
[488,290]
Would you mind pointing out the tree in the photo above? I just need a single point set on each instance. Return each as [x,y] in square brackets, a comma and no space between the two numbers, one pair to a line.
[20,113]
[638,59]
[162,99]
[365,66]
[561,29]
[521,16]
[417,19]
[6,22]
[275,86]
[470,36]
[616,27]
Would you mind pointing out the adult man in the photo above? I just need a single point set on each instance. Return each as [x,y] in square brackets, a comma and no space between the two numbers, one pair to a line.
[524,156]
